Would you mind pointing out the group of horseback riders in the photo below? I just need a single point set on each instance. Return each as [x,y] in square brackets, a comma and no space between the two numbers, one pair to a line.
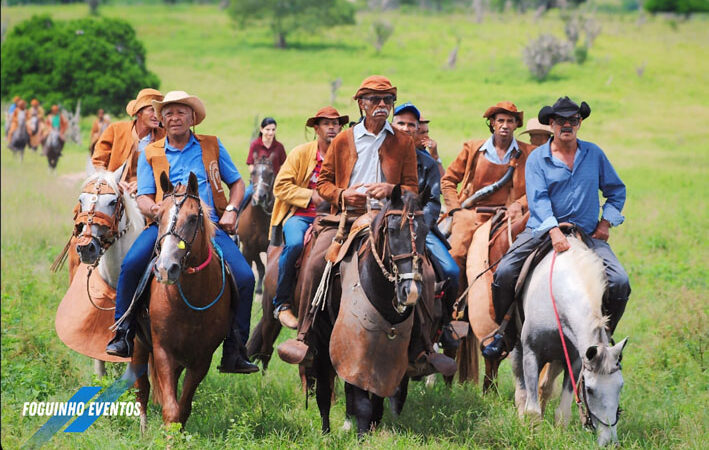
[353,171]
[29,127]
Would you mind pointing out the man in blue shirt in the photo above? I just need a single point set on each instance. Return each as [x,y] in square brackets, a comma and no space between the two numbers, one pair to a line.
[563,179]
[406,118]
[178,154]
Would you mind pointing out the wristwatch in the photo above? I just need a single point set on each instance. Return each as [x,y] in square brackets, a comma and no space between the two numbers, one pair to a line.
[230,208]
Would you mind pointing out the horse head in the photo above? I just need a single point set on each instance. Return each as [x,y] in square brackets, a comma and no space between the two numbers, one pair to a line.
[183,229]
[403,229]
[101,215]
[262,181]
[600,384]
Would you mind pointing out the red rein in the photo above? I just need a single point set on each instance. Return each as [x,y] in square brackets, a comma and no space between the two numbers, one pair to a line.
[192,270]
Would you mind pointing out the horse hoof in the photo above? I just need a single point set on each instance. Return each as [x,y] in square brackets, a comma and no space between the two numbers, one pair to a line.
[347,426]
[258,291]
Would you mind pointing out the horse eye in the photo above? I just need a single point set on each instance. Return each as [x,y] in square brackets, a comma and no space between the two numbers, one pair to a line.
[113,202]
[589,391]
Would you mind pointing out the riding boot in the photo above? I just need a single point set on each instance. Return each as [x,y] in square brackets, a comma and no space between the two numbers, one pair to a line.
[234,359]
[122,343]
[500,344]
[447,339]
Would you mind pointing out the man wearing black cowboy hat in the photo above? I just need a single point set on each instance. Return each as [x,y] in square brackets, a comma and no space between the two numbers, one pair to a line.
[563,177]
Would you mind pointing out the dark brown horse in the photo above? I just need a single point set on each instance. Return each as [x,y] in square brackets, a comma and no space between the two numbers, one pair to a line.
[364,327]
[255,219]
[189,303]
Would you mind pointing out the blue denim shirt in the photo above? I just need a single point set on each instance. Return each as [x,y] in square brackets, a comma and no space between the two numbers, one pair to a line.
[490,152]
[558,194]
[184,161]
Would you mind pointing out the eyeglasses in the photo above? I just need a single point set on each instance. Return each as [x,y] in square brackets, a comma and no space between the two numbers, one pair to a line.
[560,121]
[376,99]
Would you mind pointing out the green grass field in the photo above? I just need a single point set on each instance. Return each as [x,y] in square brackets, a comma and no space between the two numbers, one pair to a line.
[652,127]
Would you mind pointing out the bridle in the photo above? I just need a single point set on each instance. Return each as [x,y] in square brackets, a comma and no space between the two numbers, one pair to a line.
[407,217]
[585,410]
[84,219]
[179,200]
[268,207]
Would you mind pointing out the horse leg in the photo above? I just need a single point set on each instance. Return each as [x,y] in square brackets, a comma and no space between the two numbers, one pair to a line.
[546,381]
[165,371]
[325,376]
[396,401]
[99,368]
[520,388]
[140,358]
[491,368]
[563,411]
[377,411]
[362,406]
[530,365]
[349,407]
[261,270]
[193,377]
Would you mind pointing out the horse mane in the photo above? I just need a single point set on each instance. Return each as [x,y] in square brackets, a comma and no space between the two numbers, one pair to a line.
[593,277]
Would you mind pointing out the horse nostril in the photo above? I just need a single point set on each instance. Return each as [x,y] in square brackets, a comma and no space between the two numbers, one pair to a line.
[173,272]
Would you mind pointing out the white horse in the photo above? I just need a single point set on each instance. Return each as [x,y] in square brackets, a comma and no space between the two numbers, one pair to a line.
[578,286]
[109,250]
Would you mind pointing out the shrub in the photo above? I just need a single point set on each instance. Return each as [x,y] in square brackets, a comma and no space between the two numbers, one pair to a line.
[381,32]
[677,6]
[544,53]
[99,61]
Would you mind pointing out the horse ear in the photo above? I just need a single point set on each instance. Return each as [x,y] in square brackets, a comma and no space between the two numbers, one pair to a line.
[118,174]
[396,194]
[193,184]
[165,184]
[591,352]
[617,349]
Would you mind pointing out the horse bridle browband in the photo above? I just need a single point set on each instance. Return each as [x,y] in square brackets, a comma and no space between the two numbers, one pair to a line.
[585,410]
[178,201]
[91,217]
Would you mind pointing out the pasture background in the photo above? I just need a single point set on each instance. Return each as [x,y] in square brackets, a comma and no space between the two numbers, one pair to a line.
[653,128]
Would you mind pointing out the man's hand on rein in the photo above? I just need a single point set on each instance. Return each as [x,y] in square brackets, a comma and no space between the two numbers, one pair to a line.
[379,190]
[354,198]
[228,222]
[514,211]
[558,240]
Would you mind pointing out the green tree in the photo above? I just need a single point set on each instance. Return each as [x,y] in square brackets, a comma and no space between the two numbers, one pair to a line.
[99,61]
[678,6]
[285,16]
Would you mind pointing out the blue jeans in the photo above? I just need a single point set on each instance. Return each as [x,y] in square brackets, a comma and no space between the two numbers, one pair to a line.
[140,253]
[294,231]
[445,262]
[248,193]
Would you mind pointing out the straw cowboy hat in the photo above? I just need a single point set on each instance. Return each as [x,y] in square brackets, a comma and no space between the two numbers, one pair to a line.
[327,112]
[533,126]
[564,107]
[144,98]
[375,84]
[182,98]
[507,108]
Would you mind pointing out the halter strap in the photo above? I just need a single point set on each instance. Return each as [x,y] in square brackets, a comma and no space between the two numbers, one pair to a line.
[192,270]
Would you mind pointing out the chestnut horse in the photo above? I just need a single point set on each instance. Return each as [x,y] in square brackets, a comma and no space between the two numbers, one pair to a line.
[255,219]
[356,344]
[189,303]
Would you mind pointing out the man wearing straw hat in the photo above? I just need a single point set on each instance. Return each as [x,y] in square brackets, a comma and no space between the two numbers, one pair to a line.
[35,122]
[538,133]
[123,141]
[178,154]
[296,201]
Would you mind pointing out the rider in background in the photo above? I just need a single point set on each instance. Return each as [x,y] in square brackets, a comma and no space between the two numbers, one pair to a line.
[264,146]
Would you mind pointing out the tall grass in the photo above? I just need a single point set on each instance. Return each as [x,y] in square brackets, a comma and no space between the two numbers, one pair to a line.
[651,126]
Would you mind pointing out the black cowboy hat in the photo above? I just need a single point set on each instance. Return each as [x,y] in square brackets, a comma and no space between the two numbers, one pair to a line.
[564,107]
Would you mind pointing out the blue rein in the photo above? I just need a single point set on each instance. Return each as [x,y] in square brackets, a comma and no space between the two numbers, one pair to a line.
[221,292]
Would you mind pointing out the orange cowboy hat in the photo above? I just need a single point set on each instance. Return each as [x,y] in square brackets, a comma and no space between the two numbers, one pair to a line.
[54,109]
[327,112]
[144,98]
[507,108]
[183,98]
[375,84]
[15,99]
[34,102]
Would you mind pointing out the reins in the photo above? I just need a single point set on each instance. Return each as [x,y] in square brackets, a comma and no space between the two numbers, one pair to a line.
[197,269]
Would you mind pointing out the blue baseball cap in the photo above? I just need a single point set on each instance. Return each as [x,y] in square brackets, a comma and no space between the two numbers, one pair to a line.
[408,106]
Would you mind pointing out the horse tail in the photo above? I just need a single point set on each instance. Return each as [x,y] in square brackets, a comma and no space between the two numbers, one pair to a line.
[255,343]
[468,359]
[156,391]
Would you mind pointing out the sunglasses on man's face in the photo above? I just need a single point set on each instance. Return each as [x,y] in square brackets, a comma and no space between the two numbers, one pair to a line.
[560,121]
[376,99]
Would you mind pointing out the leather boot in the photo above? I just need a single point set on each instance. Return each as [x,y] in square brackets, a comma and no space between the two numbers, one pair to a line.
[122,343]
[234,359]
[284,314]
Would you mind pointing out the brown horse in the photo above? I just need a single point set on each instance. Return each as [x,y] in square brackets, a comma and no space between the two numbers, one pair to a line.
[255,219]
[189,303]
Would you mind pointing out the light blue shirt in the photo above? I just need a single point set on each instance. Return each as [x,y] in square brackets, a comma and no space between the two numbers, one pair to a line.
[557,194]
[184,161]
[147,139]
[490,152]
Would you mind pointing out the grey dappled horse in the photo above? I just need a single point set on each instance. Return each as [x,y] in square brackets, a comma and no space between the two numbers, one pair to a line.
[578,288]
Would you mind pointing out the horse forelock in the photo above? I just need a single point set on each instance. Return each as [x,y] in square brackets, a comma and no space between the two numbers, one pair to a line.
[593,277]
[210,228]
[102,175]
